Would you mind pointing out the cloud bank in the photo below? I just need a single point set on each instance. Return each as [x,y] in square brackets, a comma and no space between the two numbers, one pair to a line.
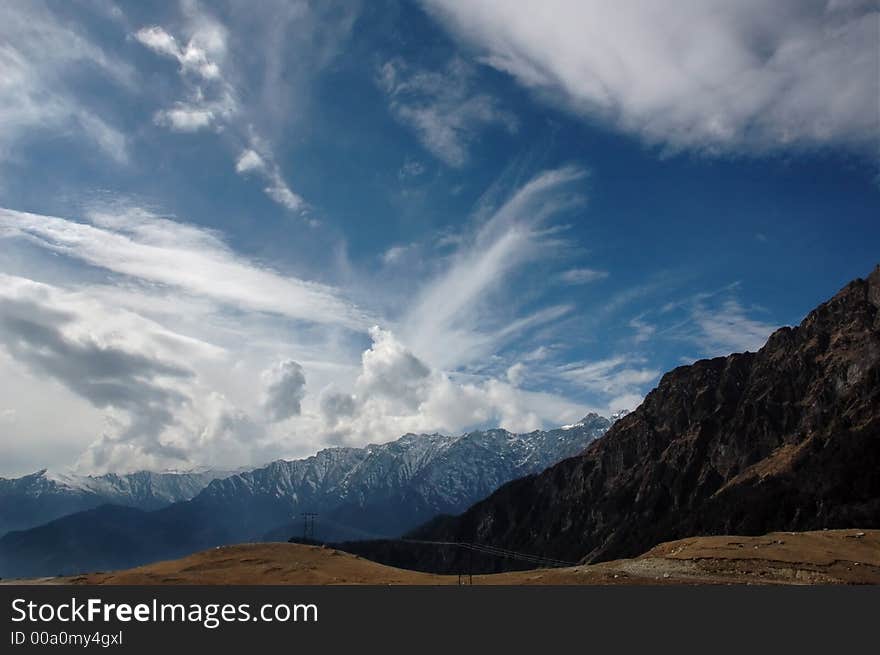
[709,75]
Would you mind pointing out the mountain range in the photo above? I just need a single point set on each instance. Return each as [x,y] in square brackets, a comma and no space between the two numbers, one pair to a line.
[376,491]
[783,439]
[43,496]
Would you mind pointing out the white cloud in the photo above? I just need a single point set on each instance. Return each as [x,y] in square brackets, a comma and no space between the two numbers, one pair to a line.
[258,159]
[391,372]
[713,75]
[196,333]
[441,107]
[396,392]
[182,118]
[197,55]
[448,324]
[516,374]
[285,389]
[249,160]
[159,40]
[181,352]
[41,64]
[619,379]
[725,329]
[212,99]
[155,250]
[582,275]
[117,361]
[281,193]
[644,331]
[396,254]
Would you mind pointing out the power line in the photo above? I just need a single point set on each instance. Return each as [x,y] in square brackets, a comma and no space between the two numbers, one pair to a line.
[485,549]
[495,550]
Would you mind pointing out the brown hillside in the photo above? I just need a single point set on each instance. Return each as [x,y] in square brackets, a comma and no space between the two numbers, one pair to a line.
[833,556]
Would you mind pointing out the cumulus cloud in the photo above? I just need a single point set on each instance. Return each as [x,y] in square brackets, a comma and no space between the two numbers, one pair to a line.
[52,333]
[336,405]
[396,392]
[516,374]
[230,435]
[391,372]
[285,388]
[441,108]
[752,76]
[159,393]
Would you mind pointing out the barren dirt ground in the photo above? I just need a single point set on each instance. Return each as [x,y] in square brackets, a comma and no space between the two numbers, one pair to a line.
[826,557]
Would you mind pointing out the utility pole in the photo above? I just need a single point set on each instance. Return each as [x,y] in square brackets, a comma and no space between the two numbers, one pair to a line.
[309,526]
[467,578]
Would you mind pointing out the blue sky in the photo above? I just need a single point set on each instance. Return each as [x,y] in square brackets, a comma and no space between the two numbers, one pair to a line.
[234,232]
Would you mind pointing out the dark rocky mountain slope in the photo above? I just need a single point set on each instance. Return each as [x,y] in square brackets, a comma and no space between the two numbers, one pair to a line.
[787,438]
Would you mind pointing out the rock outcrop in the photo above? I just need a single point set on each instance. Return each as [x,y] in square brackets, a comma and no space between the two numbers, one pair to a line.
[787,438]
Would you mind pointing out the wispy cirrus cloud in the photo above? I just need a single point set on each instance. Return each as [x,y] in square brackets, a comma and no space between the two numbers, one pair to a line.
[582,275]
[728,328]
[621,379]
[157,250]
[441,107]
[41,63]
[448,323]
[714,323]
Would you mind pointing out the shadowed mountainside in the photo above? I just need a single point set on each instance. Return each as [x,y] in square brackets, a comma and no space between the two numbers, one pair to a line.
[787,438]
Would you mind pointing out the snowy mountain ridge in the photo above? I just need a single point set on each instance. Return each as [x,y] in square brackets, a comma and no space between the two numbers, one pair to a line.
[383,489]
[394,485]
[46,495]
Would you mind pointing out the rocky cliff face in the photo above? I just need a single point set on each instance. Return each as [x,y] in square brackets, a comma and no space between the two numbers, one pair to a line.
[787,438]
